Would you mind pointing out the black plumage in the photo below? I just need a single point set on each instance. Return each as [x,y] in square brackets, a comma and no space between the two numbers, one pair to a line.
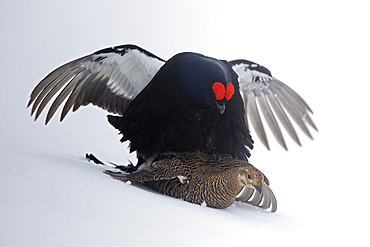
[190,102]
[177,111]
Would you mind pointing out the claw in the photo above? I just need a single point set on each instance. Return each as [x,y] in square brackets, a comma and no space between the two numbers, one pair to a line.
[91,157]
[129,168]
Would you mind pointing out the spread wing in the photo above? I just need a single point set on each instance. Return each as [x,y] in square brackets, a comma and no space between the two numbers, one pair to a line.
[262,92]
[109,78]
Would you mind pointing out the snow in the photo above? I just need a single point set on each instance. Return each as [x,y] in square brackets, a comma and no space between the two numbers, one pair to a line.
[51,196]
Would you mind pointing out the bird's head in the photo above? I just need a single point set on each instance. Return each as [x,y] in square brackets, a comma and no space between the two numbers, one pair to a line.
[207,82]
[251,177]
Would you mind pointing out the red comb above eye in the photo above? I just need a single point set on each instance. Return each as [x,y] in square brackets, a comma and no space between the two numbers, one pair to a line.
[219,90]
[229,91]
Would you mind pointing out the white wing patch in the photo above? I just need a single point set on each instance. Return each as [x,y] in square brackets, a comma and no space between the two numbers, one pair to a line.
[250,79]
[109,78]
[264,93]
[134,67]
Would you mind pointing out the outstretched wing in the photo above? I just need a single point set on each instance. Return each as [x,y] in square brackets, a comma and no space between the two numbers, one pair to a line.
[109,78]
[262,92]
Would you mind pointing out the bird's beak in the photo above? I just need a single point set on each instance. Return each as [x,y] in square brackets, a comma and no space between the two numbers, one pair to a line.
[221,108]
[258,188]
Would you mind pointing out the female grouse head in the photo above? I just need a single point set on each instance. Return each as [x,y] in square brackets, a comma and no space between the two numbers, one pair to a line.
[206,82]
[251,177]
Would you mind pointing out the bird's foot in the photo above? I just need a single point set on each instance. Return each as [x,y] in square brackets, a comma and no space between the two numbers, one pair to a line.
[129,168]
[91,157]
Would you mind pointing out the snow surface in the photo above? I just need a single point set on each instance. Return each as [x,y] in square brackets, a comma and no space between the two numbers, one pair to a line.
[51,196]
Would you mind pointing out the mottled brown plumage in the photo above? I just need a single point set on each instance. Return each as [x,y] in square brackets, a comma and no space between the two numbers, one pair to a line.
[201,178]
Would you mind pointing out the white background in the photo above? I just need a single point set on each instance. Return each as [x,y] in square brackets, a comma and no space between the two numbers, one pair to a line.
[50,196]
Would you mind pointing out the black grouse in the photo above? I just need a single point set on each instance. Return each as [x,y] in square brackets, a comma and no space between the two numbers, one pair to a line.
[179,110]
[191,102]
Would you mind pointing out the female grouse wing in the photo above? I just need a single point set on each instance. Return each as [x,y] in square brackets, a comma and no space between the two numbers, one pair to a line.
[109,78]
[259,88]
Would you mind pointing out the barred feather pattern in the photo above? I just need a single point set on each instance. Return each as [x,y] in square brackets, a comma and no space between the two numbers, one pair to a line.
[199,178]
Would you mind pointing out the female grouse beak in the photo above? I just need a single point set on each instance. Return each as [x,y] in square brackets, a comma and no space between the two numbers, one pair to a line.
[221,107]
[258,188]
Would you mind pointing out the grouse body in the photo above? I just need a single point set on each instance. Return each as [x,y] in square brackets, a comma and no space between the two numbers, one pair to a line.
[178,111]
[190,102]
[199,178]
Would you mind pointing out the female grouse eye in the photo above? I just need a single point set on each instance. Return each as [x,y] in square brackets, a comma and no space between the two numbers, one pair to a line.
[249,176]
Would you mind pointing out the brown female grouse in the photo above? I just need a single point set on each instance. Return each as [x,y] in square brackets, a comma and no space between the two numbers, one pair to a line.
[200,178]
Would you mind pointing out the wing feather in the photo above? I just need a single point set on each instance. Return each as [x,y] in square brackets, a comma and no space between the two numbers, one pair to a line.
[257,199]
[266,199]
[251,196]
[80,86]
[37,98]
[267,192]
[61,97]
[56,87]
[254,117]
[51,77]
[245,195]
[260,90]
[280,113]
[109,78]
[271,121]
[293,112]
[297,102]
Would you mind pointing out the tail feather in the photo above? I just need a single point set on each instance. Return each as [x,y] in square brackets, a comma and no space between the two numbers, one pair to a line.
[114,120]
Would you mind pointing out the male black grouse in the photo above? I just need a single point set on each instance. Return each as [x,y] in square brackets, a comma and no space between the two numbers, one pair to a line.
[191,102]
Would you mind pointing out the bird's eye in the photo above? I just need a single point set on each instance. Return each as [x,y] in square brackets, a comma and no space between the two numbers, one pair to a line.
[249,176]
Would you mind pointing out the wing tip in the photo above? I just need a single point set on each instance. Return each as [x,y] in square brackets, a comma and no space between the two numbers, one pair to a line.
[30,102]
[48,118]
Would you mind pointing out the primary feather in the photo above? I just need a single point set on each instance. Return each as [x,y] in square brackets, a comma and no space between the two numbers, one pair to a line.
[109,78]
[260,88]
